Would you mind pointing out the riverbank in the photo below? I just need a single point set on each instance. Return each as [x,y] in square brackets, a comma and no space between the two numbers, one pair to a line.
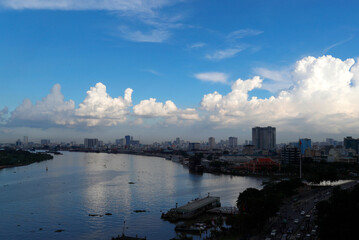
[17,158]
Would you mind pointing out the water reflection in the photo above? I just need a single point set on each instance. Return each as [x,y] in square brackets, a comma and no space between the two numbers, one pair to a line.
[79,184]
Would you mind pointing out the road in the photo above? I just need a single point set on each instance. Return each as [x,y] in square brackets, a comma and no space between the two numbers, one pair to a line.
[296,217]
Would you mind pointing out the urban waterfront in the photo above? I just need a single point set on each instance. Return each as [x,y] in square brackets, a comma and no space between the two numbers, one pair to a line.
[35,203]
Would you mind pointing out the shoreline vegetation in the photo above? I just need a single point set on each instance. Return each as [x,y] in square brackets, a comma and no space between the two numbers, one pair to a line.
[16,158]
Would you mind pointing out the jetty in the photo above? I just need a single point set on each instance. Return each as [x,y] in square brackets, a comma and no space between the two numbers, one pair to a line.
[192,209]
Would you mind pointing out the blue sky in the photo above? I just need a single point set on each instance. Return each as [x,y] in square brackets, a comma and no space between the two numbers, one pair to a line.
[158,48]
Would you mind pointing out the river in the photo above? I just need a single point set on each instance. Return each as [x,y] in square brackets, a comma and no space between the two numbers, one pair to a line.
[34,203]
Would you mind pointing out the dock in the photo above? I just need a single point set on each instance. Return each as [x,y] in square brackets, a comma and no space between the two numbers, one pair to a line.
[192,208]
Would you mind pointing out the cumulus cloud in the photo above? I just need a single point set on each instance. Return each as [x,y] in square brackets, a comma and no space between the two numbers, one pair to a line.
[100,108]
[323,98]
[3,113]
[216,77]
[150,108]
[280,79]
[51,109]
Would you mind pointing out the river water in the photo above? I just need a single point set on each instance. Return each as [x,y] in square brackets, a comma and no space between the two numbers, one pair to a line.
[34,203]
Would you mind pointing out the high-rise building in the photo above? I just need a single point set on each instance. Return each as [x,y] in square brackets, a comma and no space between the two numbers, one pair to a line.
[120,142]
[45,142]
[91,143]
[304,144]
[18,143]
[128,140]
[193,146]
[232,142]
[351,143]
[290,155]
[264,138]
[26,141]
[211,142]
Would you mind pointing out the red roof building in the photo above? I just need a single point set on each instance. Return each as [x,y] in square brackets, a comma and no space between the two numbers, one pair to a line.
[259,165]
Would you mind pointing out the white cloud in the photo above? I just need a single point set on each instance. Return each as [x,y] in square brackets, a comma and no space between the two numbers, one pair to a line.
[197,45]
[337,44]
[323,99]
[154,72]
[281,79]
[122,5]
[242,33]
[50,110]
[152,109]
[3,113]
[216,77]
[99,108]
[226,53]
[146,12]
[154,36]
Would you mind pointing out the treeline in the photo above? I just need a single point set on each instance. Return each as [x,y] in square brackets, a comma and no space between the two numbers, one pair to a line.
[317,172]
[19,157]
[338,217]
[257,206]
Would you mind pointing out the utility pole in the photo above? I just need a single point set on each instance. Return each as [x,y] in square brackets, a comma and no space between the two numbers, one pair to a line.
[300,159]
[300,167]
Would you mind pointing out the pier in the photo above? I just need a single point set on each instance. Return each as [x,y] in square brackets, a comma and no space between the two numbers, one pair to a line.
[192,208]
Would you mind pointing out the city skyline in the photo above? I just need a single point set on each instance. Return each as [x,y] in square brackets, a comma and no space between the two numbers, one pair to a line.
[191,69]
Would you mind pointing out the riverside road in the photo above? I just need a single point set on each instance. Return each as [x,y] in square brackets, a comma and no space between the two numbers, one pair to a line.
[296,217]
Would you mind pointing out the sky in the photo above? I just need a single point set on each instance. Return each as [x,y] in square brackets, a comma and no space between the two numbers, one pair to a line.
[161,69]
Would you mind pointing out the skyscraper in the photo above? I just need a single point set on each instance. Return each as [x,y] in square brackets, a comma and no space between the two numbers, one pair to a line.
[128,140]
[264,138]
[304,144]
[351,143]
[232,142]
[211,142]
[26,141]
[91,143]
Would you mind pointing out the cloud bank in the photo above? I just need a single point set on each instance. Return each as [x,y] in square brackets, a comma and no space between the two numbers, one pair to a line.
[323,98]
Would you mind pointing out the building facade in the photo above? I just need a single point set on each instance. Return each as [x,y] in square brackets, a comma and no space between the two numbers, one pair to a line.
[304,144]
[91,143]
[211,142]
[290,155]
[351,143]
[232,142]
[128,140]
[264,138]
